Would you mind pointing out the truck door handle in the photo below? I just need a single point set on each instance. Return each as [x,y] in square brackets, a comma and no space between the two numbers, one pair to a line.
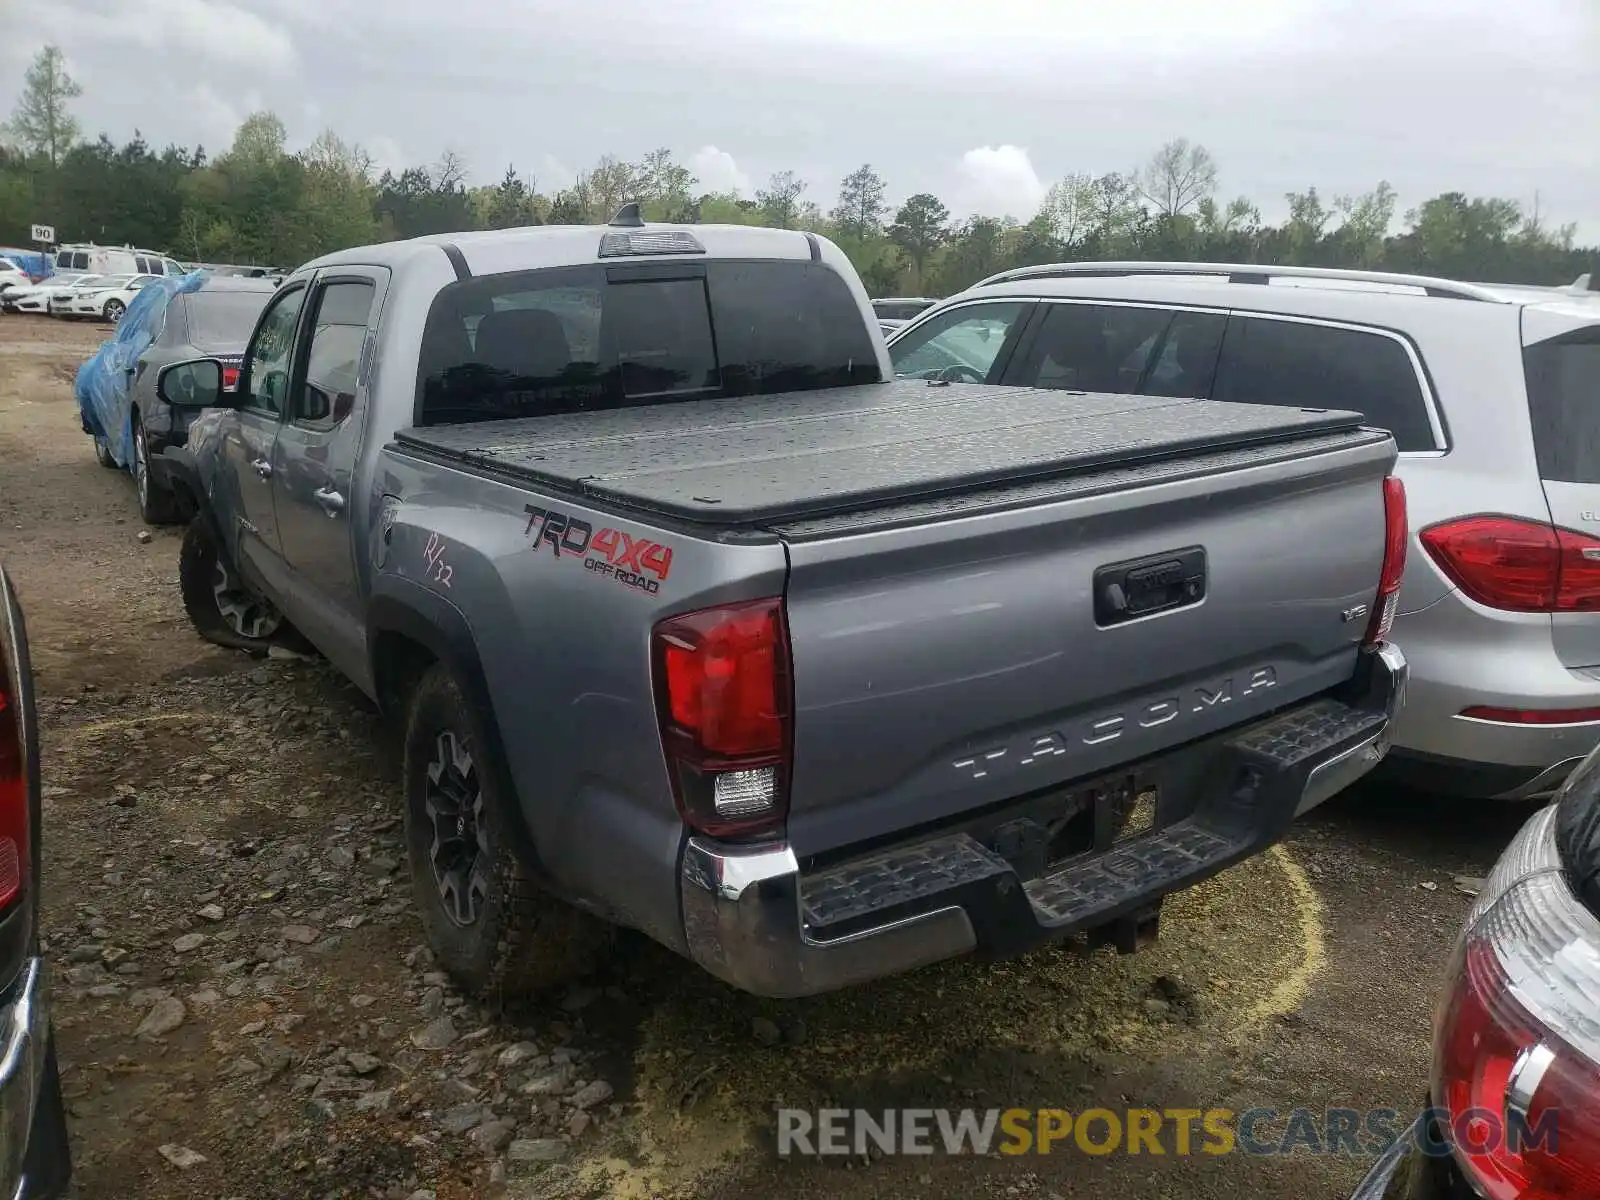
[263,468]
[332,502]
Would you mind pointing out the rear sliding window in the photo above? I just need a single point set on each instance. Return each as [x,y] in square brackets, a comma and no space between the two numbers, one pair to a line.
[1564,403]
[573,339]
[1320,366]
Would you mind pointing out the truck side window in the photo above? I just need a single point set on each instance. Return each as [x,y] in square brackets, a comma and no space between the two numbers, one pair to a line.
[338,332]
[267,362]
[1267,361]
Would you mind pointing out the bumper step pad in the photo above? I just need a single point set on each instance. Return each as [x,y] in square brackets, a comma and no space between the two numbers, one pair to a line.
[1268,761]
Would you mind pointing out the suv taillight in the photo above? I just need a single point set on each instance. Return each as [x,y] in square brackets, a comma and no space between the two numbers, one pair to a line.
[722,695]
[1518,565]
[1516,1082]
[14,800]
[1395,533]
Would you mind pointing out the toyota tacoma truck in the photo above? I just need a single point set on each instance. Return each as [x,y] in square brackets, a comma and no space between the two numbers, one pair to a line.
[699,622]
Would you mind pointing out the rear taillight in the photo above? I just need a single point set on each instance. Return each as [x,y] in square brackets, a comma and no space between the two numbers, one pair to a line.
[1518,565]
[723,685]
[1395,533]
[1516,1081]
[230,378]
[14,805]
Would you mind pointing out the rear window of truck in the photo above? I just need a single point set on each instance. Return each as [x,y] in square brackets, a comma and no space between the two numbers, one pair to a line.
[572,339]
[1563,377]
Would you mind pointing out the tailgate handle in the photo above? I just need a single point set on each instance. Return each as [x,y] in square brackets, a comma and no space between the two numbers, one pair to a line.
[1142,587]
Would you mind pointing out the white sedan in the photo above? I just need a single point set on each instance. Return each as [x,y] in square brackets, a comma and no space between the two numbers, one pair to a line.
[36,297]
[12,276]
[107,298]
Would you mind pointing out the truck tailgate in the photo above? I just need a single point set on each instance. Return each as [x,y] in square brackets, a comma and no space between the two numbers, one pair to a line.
[940,667]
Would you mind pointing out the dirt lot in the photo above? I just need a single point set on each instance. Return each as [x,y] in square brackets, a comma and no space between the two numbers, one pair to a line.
[244,1008]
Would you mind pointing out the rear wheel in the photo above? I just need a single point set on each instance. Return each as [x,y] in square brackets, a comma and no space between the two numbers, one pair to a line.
[489,924]
[156,505]
[102,453]
[220,607]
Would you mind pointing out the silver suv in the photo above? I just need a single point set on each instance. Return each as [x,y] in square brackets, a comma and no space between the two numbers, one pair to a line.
[1493,395]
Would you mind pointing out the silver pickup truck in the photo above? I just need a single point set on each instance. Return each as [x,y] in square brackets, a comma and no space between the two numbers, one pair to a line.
[701,623]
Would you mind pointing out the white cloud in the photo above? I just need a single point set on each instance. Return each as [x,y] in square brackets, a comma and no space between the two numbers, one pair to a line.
[999,181]
[210,30]
[717,172]
[552,175]
[215,117]
[387,155]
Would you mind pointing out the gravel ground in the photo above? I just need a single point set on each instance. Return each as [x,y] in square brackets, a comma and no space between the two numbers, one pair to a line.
[245,1010]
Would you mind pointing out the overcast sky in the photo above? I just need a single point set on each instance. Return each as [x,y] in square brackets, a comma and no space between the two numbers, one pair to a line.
[983,102]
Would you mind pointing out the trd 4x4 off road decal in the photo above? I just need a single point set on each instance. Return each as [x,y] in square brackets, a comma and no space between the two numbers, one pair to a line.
[632,561]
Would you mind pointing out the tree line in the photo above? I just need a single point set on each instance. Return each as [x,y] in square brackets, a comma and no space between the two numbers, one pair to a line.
[260,202]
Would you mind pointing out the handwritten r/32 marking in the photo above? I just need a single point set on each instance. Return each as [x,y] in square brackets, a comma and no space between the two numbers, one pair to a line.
[433,553]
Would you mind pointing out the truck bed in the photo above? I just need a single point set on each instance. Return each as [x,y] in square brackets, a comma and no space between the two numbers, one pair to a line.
[802,456]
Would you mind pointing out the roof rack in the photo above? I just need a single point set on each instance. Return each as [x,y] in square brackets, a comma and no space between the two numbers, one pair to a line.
[1246,273]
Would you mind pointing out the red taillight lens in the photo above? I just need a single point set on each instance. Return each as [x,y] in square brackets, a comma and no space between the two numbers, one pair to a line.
[1516,1080]
[1517,565]
[1488,1050]
[230,378]
[1395,533]
[723,682]
[14,810]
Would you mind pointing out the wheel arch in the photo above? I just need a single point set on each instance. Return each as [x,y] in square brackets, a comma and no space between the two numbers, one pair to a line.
[410,629]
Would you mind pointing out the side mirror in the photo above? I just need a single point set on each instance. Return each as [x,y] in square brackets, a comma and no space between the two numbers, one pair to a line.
[197,383]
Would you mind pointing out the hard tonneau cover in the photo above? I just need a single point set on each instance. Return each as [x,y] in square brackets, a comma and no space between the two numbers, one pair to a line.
[755,460]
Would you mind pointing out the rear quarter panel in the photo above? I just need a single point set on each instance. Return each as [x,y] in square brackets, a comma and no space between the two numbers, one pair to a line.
[565,654]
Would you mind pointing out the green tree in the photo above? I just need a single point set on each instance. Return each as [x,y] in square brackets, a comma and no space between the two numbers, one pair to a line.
[1366,224]
[663,185]
[920,227]
[511,203]
[258,143]
[780,199]
[1177,177]
[1069,207]
[41,123]
[608,186]
[1308,220]
[860,211]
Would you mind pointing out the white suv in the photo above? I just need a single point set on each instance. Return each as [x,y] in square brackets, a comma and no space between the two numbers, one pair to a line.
[1493,395]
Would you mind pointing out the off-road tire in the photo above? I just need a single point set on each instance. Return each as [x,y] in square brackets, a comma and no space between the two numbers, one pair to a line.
[156,505]
[198,560]
[102,453]
[523,941]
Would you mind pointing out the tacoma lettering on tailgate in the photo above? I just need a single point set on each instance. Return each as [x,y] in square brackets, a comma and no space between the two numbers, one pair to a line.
[1108,727]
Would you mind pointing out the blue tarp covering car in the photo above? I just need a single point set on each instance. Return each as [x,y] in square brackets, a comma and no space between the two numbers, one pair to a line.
[103,386]
[37,265]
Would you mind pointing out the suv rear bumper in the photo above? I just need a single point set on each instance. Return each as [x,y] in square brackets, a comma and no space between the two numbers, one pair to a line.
[756,921]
